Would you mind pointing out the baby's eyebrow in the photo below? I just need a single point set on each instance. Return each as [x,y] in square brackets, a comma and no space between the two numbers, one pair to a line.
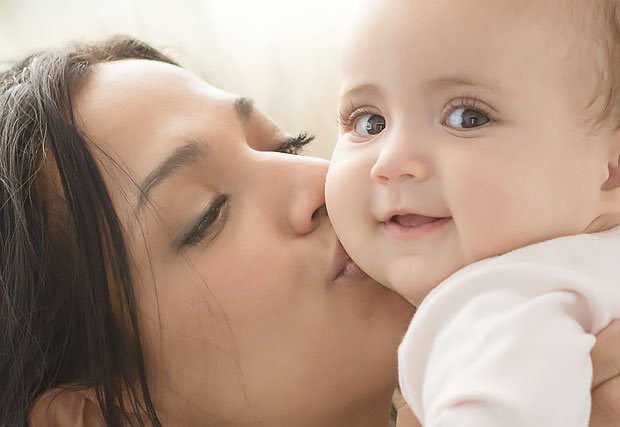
[360,89]
[446,82]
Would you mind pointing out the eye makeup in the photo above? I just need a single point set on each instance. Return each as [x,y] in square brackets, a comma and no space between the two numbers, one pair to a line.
[207,225]
[213,216]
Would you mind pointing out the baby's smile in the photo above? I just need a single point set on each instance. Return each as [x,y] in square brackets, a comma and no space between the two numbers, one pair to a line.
[412,225]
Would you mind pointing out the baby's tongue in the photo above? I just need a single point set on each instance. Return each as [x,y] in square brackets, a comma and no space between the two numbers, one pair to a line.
[412,220]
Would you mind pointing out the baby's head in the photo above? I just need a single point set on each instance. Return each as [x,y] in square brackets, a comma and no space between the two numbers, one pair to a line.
[471,128]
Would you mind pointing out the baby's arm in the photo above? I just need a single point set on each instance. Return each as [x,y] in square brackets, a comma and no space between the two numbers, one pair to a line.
[605,384]
[504,346]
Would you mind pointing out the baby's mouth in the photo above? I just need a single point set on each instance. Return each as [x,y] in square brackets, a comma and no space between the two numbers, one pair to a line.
[413,220]
[411,226]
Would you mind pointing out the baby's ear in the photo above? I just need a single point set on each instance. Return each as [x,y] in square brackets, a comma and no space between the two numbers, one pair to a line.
[613,178]
[610,188]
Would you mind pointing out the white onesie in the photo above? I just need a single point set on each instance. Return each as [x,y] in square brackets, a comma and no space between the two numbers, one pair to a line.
[505,342]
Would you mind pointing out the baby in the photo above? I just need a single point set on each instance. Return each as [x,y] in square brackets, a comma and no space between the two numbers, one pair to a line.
[477,173]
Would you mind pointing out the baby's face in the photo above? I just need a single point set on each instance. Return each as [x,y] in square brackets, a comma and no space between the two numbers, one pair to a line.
[462,136]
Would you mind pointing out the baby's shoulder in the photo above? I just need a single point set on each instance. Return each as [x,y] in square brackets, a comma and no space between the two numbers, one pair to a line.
[579,253]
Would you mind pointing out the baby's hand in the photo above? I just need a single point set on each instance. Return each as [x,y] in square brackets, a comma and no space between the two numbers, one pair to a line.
[606,378]
[405,417]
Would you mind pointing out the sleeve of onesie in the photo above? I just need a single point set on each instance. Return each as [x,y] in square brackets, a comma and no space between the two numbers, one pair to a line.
[508,345]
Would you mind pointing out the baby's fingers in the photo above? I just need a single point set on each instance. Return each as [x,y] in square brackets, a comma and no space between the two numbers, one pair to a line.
[606,355]
[405,417]
[606,404]
[606,378]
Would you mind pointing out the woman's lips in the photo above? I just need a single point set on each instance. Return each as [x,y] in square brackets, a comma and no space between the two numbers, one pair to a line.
[353,271]
[411,226]
[345,267]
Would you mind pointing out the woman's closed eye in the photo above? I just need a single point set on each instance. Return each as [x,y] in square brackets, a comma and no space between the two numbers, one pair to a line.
[213,218]
[208,224]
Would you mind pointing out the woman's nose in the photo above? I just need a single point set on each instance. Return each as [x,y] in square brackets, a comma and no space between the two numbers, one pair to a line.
[397,162]
[306,202]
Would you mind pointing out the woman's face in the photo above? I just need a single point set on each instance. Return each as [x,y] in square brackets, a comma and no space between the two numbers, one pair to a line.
[249,312]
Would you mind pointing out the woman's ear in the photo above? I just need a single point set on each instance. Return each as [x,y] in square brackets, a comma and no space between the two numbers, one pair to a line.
[65,408]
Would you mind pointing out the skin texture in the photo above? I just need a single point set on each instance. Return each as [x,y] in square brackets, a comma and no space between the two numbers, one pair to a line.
[342,342]
[606,378]
[254,324]
[77,409]
[534,171]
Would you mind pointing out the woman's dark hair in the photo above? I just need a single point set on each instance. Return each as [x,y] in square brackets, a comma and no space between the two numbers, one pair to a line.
[67,307]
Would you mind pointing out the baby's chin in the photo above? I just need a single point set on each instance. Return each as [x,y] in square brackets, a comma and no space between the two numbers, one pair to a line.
[414,286]
[411,276]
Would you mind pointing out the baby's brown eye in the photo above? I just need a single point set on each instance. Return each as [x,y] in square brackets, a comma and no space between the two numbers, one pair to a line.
[370,124]
[466,118]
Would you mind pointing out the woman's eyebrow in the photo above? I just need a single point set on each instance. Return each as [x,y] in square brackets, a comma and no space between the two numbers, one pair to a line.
[185,156]
[182,157]
[244,107]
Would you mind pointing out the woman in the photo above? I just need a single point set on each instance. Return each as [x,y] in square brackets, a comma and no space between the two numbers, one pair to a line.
[167,261]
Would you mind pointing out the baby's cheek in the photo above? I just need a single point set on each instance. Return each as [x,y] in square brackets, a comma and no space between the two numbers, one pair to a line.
[350,198]
[337,197]
[347,195]
[484,212]
[497,227]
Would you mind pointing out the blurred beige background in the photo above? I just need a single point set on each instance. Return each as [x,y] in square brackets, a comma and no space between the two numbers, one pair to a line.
[282,53]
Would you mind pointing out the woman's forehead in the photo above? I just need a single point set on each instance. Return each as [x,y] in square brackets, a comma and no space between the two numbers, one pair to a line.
[138,111]
[133,105]
[127,90]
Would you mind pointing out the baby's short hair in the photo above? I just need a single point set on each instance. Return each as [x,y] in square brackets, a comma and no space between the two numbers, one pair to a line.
[603,27]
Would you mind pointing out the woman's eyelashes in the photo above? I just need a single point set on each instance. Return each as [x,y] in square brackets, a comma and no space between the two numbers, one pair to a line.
[295,145]
[208,225]
[213,217]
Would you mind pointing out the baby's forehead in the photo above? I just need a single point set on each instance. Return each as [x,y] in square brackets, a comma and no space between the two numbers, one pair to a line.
[407,42]
[461,29]
[555,16]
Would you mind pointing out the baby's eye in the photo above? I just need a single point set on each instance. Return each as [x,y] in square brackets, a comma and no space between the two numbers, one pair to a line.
[466,118]
[370,124]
